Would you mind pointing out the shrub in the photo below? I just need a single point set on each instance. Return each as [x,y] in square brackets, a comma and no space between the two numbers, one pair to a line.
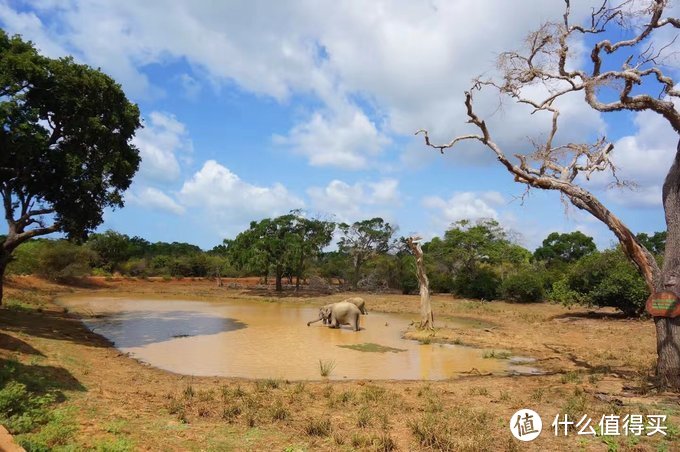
[63,260]
[524,286]
[25,257]
[482,283]
[440,282]
[22,411]
[603,279]
[135,267]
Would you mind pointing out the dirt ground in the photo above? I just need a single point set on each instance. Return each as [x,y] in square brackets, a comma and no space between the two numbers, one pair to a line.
[594,363]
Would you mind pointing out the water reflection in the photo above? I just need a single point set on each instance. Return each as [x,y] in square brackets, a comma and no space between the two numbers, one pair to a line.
[140,328]
[270,340]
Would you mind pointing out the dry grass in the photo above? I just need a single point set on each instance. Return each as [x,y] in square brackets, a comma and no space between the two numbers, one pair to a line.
[589,356]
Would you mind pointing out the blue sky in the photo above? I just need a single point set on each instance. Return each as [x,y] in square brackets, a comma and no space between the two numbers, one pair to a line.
[253,108]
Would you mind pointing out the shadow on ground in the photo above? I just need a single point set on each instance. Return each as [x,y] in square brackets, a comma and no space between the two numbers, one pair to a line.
[38,378]
[49,325]
[13,344]
[592,315]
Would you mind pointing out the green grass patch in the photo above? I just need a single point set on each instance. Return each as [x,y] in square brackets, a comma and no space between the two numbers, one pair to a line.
[58,431]
[496,354]
[372,348]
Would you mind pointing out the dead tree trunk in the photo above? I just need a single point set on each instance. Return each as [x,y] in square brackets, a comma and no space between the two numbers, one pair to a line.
[426,316]
[219,277]
[668,330]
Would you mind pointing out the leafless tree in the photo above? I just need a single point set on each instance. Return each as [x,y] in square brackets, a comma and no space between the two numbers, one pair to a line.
[426,316]
[546,63]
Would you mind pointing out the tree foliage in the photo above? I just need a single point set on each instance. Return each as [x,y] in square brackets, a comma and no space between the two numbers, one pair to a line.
[65,139]
[567,247]
[362,240]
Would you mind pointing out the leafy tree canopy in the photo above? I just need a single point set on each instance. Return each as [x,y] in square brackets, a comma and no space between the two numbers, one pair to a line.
[656,243]
[567,247]
[65,140]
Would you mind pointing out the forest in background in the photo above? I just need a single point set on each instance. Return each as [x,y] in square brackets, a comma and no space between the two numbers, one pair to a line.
[480,260]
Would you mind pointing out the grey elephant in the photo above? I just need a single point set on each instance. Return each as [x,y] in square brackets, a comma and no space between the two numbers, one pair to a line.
[324,315]
[325,311]
[342,313]
[359,303]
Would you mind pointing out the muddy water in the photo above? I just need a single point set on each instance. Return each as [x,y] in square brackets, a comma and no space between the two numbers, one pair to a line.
[271,340]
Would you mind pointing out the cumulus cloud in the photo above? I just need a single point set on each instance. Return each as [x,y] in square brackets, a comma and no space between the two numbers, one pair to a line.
[349,202]
[463,206]
[225,196]
[345,141]
[408,60]
[159,142]
[153,198]
[644,159]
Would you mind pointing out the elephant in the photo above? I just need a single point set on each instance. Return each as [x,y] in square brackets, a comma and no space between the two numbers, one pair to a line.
[342,313]
[324,314]
[359,303]
[325,311]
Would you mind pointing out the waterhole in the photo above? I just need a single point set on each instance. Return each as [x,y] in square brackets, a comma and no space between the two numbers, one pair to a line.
[253,339]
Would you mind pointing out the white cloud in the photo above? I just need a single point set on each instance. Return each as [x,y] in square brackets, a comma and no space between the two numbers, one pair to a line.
[409,60]
[345,141]
[349,202]
[644,159]
[154,198]
[463,206]
[224,196]
[28,24]
[190,86]
[159,142]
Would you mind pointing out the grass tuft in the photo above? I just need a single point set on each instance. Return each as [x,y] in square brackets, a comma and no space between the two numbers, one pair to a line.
[326,367]
[318,427]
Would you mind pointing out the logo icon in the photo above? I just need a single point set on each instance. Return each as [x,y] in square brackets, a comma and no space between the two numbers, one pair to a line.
[526,425]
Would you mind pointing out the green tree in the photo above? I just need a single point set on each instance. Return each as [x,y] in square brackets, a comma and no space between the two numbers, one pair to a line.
[362,240]
[65,140]
[655,243]
[267,243]
[310,237]
[568,247]
[112,248]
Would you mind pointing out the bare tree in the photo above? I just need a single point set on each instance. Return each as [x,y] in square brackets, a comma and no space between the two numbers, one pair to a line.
[426,316]
[546,63]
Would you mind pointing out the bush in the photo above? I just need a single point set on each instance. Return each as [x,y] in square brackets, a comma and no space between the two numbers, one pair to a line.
[135,267]
[63,260]
[20,410]
[622,288]
[440,282]
[25,257]
[482,283]
[603,279]
[525,286]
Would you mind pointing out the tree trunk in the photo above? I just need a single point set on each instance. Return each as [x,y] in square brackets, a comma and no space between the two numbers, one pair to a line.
[426,316]
[219,277]
[279,278]
[299,272]
[4,260]
[357,271]
[668,330]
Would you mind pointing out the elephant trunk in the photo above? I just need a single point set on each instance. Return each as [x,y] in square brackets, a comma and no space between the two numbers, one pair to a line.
[313,321]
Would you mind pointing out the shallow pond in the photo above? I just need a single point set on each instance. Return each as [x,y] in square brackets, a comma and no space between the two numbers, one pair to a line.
[254,339]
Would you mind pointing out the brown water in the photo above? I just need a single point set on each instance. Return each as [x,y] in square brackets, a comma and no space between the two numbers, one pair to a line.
[271,340]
